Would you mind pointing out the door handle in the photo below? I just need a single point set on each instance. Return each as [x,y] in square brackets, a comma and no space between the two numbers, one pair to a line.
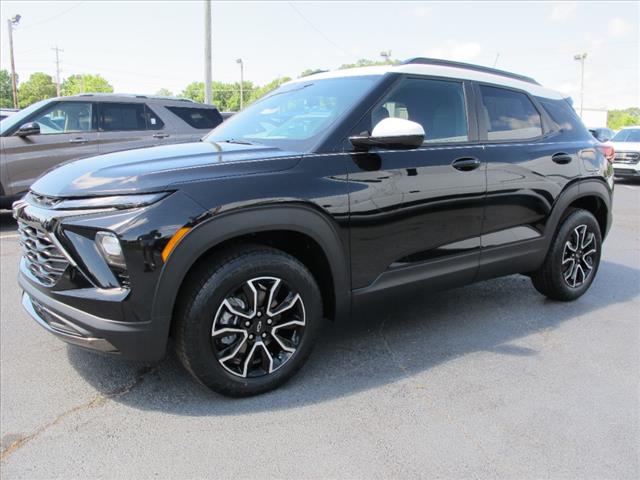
[561,158]
[466,164]
[78,140]
[160,135]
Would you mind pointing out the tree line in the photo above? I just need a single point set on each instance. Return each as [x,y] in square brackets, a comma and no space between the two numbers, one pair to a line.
[225,96]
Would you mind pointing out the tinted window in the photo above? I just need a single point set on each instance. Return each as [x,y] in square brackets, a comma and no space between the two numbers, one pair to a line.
[66,117]
[509,115]
[154,122]
[561,112]
[201,118]
[438,106]
[627,135]
[117,117]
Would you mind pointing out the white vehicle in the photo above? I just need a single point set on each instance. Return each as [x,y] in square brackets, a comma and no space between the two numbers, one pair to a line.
[626,144]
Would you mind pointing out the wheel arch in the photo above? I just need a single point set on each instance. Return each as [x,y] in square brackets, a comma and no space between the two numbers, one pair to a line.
[291,228]
[592,195]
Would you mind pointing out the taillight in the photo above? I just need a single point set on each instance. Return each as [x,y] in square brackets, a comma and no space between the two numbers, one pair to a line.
[608,152]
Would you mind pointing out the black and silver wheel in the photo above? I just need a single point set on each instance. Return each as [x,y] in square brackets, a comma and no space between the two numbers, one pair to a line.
[258,327]
[573,258]
[248,322]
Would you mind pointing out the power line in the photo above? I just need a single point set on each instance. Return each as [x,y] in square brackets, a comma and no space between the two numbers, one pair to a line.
[317,29]
[64,12]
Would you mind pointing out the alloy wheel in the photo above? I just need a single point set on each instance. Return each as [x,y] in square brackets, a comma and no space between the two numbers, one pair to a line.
[258,327]
[578,256]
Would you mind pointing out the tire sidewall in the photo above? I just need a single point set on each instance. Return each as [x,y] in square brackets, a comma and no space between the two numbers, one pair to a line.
[575,219]
[202,361]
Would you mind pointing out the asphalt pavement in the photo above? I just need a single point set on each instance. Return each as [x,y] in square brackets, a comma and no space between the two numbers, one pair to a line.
[490,380]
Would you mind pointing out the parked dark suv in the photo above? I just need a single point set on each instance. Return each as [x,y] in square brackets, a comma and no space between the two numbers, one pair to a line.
[334,189]
[57,130]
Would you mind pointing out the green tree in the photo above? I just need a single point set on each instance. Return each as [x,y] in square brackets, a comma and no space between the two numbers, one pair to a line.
[38,87]
[623,118]
[85,83]
[164,92]
[194,91]
[6,93]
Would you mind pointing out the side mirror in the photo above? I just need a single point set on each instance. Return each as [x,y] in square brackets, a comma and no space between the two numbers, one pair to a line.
[392,133]
[31,128]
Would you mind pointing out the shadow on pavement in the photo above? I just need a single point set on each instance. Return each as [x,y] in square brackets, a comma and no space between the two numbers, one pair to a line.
[377,347]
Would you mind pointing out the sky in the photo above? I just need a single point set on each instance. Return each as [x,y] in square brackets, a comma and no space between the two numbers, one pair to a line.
[142,46]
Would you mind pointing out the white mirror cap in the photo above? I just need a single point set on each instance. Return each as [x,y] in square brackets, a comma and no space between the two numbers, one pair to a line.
[397,127]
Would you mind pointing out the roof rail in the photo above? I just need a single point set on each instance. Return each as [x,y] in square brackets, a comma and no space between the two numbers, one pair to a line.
[468,66]
[135,95]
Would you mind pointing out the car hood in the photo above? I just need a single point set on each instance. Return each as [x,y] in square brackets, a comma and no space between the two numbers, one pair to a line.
[625,146]
[158,168]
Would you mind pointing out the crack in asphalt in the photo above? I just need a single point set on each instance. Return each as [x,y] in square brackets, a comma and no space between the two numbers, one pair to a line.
[97,401]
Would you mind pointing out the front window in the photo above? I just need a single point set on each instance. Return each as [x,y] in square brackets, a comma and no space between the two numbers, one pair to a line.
[66,117]
[627,135]
[295,116]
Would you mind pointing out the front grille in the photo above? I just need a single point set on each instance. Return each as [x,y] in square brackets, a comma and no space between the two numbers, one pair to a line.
[44,260]
[627,157]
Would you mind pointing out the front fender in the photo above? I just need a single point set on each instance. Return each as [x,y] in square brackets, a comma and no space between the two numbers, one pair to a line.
[298,218]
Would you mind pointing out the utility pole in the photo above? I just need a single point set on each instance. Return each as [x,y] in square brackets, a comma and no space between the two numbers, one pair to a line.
[12,22]
[240,62]
[580,57]
[57,50]
[207,51]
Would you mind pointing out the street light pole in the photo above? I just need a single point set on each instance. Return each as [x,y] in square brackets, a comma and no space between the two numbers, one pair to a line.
[57,50]
[241,63]
[207,51]
[580,57]
[14,84]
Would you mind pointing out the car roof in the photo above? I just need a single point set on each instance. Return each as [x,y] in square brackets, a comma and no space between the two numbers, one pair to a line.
[137,98]
[444,69]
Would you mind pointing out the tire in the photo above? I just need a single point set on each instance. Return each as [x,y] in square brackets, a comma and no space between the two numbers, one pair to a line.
[258,302]
[571,266]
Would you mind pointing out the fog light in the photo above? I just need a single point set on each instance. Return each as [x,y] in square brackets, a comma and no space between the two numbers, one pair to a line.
[110,248]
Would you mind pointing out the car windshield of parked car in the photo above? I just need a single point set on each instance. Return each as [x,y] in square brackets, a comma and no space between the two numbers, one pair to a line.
[627,135]
[18,118]
[295,116]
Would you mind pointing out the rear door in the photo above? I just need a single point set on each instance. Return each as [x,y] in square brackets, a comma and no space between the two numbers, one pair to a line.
[67,132]
[528,165]
[124,126]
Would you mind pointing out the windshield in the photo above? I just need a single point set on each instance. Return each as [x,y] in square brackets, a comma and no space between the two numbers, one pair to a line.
[294,117]
[627,135]
[18,117]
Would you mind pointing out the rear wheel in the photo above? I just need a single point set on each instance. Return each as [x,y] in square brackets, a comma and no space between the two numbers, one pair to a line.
[249,321]
[573,258]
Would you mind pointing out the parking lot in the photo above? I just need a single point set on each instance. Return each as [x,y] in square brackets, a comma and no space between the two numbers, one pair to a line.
[490,380]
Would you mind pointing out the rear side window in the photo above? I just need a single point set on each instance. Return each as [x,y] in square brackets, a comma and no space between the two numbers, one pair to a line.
[561,112]
[509,115]
[201,118]
[117,117]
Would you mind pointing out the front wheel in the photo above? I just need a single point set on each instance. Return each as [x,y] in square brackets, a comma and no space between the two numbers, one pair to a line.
[249,321]
[573,258]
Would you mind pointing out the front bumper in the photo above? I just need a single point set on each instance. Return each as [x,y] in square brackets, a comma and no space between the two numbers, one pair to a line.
[625,172]
[134,341]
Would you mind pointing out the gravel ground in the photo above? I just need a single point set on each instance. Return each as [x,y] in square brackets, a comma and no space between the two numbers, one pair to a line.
[490,380]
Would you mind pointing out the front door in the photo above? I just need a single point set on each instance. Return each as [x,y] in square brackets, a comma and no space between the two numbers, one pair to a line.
[67,132]
[417,214]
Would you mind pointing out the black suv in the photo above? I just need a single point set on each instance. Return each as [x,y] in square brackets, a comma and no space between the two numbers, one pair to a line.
[334,188]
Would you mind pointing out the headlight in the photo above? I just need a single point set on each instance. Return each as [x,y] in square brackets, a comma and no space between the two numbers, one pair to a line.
[113,201]
[110,248]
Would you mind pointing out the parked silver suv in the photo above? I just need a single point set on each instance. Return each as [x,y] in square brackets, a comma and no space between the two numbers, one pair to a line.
[57,130]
